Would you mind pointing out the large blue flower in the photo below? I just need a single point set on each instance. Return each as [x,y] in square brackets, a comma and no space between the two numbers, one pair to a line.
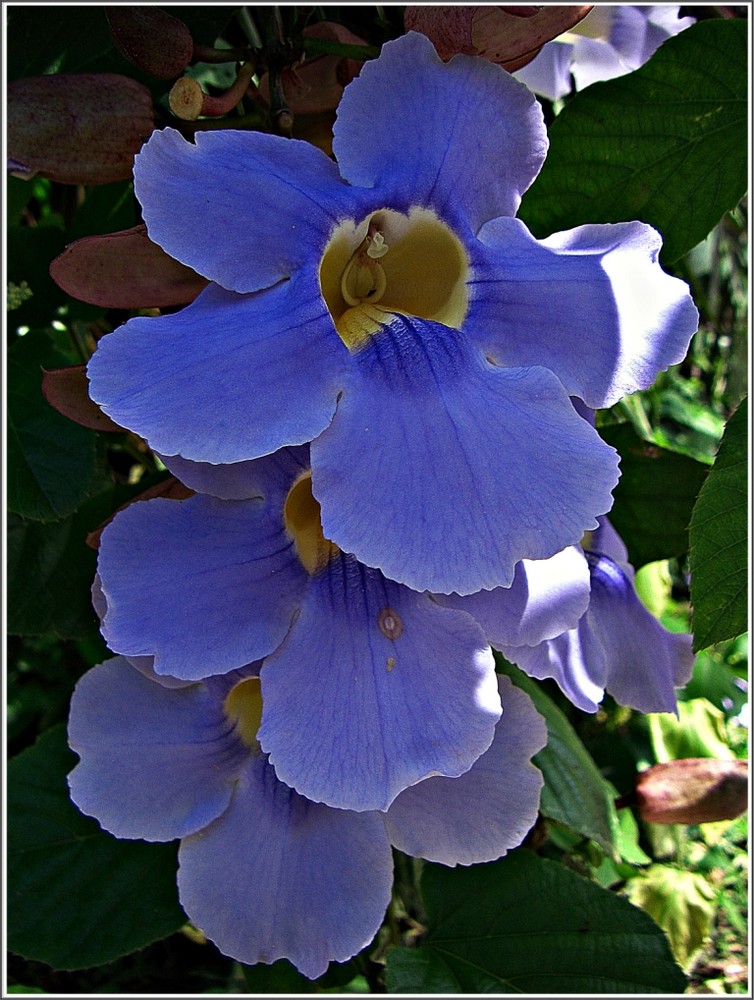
[392,310]
[617,645]
[264,872]
[369,687]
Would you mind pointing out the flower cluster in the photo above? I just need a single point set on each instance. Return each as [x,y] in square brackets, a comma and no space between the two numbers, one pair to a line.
[374,402]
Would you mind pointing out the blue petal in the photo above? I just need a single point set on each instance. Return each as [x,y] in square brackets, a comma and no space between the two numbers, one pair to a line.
[580,674]
[229,378]
[546,597]
[464,138]
[645,662]
[486,811]
[156,763]
[591,304]
[203,585]
[280,877]
[375,688]
[244,209]
[445,471]
[269,477]
[549,73]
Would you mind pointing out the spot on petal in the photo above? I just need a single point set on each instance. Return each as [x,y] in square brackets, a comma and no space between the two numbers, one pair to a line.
[391,626]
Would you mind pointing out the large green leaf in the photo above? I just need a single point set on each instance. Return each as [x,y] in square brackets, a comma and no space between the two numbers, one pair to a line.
[654,496]
[665,144]
[52,461]
[527,925]
[78,897]
[575,793]
[719,541]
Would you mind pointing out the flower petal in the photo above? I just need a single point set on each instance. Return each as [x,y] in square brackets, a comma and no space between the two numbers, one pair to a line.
[229,377]
[156,763]
[277,876]
[268,477]
[501,792]
[468,467]
[591,304]
[244,209]
[203,585]
[549,72]
[579,674]
[547,597]
[645,662]
[375,688]
[418,130]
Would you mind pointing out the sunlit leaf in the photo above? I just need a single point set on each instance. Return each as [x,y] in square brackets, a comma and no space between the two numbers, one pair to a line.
[682,903]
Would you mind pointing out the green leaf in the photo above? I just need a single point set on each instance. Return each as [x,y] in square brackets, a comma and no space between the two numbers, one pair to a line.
[575,793]
[665,144]
[53,461]
[719,541]
[699,731]
[279,977]
[654,496]
[682,903]
[31,250]
[78,897]
[527,925]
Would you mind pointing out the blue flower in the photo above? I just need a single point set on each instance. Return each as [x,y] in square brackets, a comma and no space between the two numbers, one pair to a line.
[617,645]
[368,687]
[392,311]
[264,872]
[612,40]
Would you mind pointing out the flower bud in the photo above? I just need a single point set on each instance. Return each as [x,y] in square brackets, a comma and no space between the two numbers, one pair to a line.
[693,790]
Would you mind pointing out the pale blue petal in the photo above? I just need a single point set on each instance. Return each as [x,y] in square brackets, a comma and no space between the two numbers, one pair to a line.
[463,138]
[277,876]
[645,662]
[203,585]
[595,60]
[444,470]
[375,688]
[547,597]
[270,477]
[580,675]
[592,304]
[242,208]
[156,764]
[229,378]
[549,73]
[486,811]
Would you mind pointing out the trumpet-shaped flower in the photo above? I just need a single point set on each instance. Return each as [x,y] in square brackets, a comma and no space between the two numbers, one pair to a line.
[392,311]
[369,687]
[612,40]
[617,645]
[264,872]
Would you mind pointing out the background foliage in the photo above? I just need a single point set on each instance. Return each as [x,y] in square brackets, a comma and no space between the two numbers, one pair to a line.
[577,908]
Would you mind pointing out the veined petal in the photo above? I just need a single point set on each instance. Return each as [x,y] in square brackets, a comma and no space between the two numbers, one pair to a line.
[156,763]
[244,209]
[418,129]
[269,477]
[580,674]
[500,791]
[645,662]
[203,585]
[375,688]
[229,378]
[468,468]
[277,876]
[547,597]
[592,304]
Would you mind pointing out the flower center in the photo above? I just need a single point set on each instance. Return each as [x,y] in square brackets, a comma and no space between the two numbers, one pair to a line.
[303,522]
[243,706]
[393,263]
